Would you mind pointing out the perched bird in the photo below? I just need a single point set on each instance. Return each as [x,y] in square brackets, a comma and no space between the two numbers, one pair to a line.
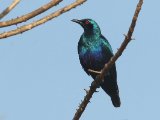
[94,51]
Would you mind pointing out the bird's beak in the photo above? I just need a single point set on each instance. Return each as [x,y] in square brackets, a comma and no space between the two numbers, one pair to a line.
[77,21]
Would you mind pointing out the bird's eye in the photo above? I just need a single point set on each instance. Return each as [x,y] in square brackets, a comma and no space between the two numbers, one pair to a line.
[87,22]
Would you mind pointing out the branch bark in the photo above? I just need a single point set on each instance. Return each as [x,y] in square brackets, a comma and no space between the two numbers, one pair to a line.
[30,15]
[9,8]
[42,20]
[108,65]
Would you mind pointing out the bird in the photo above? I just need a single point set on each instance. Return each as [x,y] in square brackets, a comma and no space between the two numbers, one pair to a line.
[94,52]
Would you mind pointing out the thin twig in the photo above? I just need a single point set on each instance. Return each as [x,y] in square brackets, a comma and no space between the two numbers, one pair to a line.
[30,15]
[42,20]
[93,71]
[9,8]
[107,66]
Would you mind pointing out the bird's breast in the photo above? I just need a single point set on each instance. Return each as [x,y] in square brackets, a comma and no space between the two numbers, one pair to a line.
[91,58]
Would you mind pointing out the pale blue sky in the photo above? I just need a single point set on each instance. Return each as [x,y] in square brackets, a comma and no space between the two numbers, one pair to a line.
[41,77]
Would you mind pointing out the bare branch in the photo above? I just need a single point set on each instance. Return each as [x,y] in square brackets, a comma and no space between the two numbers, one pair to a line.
[30,15]
[9,8]
[42,20]
[107,66]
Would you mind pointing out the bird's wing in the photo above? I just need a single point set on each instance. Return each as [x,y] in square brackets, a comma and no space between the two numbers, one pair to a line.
[106,49]
[106,44]
[108,53]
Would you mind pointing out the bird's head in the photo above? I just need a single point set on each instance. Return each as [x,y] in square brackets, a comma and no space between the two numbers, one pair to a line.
[89,26]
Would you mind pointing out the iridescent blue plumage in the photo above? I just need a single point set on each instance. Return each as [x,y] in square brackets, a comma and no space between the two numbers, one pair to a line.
[94,51]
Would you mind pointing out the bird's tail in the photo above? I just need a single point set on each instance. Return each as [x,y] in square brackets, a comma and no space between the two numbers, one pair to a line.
[116,100]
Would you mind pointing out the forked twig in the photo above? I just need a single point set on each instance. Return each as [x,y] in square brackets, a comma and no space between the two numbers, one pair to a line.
[30,15]
[42,20]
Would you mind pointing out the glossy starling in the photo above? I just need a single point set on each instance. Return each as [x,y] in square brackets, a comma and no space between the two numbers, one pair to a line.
[94,51]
